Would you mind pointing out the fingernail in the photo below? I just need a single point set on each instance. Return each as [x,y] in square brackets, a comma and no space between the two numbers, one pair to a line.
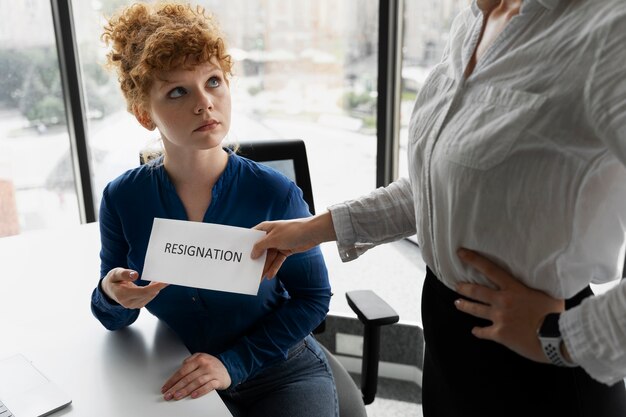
[461,253]
[168,396]
[457,302]
[194,395]
[178,395]
[133,274]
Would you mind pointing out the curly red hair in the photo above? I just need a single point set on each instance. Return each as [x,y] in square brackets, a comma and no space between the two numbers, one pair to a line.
[147,39]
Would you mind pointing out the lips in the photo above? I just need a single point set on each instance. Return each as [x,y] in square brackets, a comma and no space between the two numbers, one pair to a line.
[208,125]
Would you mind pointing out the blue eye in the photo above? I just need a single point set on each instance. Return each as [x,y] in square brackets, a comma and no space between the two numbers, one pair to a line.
[177,92]
[214,82]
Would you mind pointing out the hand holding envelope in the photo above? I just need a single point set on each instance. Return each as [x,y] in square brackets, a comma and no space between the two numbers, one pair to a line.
[203,255]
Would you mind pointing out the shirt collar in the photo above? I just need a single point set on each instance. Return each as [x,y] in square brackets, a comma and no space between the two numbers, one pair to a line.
[479,5]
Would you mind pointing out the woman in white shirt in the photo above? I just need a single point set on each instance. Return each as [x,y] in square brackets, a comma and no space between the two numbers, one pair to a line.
[517,146]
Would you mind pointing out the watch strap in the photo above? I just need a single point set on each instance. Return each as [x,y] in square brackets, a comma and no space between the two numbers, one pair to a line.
[552,350]
[551,343]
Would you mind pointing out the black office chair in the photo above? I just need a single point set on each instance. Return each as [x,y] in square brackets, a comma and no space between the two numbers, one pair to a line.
[289,157]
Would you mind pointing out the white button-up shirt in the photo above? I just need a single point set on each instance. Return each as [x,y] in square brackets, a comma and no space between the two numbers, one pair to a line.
[523,161]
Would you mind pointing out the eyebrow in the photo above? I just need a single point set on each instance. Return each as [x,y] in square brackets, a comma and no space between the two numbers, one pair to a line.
[165,82]
[161,83]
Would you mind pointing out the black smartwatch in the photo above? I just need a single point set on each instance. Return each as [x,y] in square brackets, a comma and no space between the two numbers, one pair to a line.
[550,337]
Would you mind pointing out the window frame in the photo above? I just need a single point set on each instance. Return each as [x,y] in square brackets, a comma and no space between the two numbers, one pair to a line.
[389,80]
[73,96]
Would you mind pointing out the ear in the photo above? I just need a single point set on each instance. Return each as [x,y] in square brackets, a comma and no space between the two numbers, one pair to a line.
[143,117]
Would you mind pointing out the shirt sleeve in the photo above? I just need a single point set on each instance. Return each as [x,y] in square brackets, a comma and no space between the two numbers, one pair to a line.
[605,89]
[113,252]
[594,333]
[385,215]
[305,278]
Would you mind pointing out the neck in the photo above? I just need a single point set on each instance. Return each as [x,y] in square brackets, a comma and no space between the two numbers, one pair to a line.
[195,168]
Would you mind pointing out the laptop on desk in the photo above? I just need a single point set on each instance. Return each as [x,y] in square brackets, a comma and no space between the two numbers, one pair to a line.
[26,392]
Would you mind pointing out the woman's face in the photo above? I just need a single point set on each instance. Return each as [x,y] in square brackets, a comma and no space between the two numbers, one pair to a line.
[191,108]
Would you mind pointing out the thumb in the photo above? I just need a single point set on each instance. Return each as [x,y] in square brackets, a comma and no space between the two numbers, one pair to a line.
[122,274]
[263,226]
[157,286]
[259,248]
[131,275]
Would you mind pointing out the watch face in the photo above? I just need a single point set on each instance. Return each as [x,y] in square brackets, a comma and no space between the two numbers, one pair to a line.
[550,326]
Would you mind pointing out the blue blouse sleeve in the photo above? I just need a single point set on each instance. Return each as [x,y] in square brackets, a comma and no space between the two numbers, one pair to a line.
[305,277]
[113,252]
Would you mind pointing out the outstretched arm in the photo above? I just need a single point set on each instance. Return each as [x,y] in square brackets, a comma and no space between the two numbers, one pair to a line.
[286,237]
[384,215]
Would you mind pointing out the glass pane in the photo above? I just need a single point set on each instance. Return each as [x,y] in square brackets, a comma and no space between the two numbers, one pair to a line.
[426,26]
[114,136]
[308,69]
[37,188]
[303,69]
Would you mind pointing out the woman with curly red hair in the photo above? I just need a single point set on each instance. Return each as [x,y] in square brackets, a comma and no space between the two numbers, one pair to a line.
[257,352]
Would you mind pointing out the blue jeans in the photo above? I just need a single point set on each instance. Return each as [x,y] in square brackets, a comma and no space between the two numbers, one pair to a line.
[300,386]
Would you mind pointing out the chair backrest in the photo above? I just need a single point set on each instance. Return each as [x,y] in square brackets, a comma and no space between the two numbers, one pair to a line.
[287,156]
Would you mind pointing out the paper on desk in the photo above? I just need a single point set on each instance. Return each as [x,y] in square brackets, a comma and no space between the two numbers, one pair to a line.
[203,255]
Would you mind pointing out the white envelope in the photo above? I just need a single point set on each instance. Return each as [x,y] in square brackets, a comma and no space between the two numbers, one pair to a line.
[203,255]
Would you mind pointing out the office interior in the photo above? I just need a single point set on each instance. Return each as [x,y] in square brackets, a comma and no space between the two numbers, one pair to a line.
[341,76]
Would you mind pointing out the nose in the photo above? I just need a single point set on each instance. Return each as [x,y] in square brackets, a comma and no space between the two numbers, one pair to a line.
[204,103]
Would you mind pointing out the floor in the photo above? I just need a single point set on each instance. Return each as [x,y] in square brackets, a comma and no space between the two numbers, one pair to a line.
[395,398]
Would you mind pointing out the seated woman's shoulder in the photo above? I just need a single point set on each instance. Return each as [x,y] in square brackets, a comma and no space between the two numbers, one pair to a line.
[132,179]
[265,175]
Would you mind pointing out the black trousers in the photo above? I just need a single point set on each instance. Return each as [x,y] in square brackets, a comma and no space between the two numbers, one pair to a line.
[466,376]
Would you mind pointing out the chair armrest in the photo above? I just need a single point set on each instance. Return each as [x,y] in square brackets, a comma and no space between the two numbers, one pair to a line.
[373,312]
[370,308]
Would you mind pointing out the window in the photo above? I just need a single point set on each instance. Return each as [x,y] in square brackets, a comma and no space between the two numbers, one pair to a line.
[303,69]
[37,187]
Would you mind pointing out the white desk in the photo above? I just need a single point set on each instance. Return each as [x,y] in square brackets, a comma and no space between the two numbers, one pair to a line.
[46,280]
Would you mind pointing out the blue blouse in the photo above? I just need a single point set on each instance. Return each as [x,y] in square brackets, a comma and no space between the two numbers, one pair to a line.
[245,332]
